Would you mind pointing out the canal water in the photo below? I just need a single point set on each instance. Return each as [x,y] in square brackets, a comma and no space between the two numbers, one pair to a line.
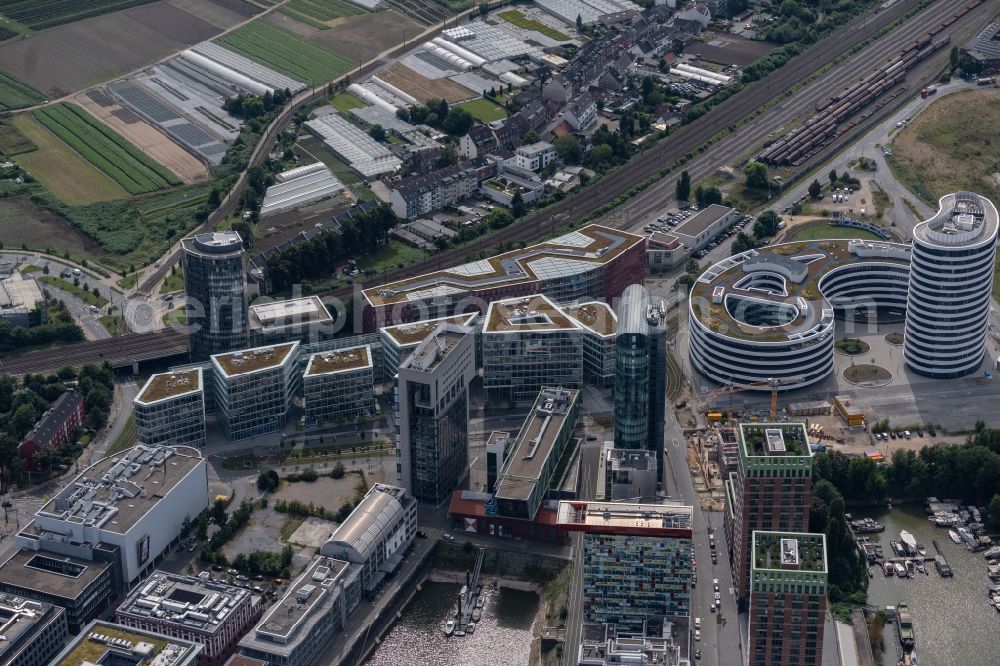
[952,622]
[502,637]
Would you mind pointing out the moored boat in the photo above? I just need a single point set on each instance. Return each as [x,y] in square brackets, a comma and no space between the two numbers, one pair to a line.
[904,621]
[953,535]
[449,627]
[900,569]
[888,568]
[477,614]
[471,628]
[908,542]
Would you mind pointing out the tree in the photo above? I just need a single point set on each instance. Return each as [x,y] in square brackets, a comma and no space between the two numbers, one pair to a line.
[568,148]
[815,189]
[338,471]
[993,512]
[202,526]
[268,482]
[684,186]
[517,207]
[377,132]
[833,176]
[579,23]
[742,243]
[953,57]
[45,269]
[219,512]
[706,196]
[756,174]
[484,8]
[601,155]
[457,122]
[766,224]
[691,267]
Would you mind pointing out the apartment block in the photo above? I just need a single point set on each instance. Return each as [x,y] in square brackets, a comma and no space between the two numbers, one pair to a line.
[339,385]
[788,588]
[170,409]
[254,388]
[770,491]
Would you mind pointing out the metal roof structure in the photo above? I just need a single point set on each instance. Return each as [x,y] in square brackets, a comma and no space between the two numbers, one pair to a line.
[363,153]
[378,515]
[300,191]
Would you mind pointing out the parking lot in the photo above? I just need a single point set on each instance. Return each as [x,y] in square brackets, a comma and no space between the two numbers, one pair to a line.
[666,222]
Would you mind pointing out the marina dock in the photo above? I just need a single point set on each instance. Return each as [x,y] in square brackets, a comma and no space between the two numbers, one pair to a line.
[469,597]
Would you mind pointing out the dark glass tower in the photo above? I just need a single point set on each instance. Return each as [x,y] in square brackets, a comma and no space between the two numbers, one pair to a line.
[214,281]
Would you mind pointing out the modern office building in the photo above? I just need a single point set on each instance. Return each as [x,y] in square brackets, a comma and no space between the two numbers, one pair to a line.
[107,644]
[399,341]
[254,388]
[197,609]
[770,491]
[599,328]
[54,427]
[539,446]
[302,319]
[529,343]
[170,409]
[134,501]
[32,631]
[788,587]
[603,644]
[951,278]
[594,262]
[214,287]
[498,446]
[636,560]
[84,586]
[376,535]
[769,314]
[339,385]
[640,372]
[432,413]
[298,628]
[626,474]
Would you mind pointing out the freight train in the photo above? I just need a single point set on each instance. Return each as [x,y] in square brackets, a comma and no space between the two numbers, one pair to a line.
[833,111]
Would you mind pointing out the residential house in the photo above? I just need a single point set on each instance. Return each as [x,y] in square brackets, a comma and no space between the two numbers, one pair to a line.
[478,141]
[558,89]
[581,112]
[419,195]
[536,156]
[54,428]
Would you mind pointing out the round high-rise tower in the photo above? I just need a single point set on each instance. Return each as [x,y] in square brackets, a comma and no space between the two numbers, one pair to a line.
[951,278]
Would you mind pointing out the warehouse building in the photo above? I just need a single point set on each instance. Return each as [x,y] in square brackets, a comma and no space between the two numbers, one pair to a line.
[170,409]
[339,385]
[302,186]
[376,535]
[31,631]
[298,628]
[254,388]
[210,613]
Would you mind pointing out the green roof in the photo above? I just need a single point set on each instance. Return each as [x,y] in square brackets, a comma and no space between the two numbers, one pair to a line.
[789,551]
[774,440]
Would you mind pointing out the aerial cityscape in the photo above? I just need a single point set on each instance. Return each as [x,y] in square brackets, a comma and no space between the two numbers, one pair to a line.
[525,333]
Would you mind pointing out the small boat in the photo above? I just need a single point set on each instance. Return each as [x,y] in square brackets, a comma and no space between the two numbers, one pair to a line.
[921,549]
[897,548]
[471,628]
[953,535]
[460,632]
[920,566]
[479,602]
[976,516]
[904,621]
[942,566]
[910,568]
[887,568]
[477,614]
[900,570]
[449,627]
[908,542]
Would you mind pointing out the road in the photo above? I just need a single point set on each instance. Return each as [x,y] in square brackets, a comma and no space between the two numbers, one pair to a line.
[121,410]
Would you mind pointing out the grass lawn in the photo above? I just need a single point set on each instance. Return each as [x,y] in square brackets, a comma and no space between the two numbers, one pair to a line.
[822,230]
[88,297]
[286,52]
[852,346]
[345,101]
[945,148]
[317,12]
[126,438]
[392,255]
[128,281]
[484,110]
[31,269]
[522,21]
[175,317]
[115,324]
[60,169]
[174,282]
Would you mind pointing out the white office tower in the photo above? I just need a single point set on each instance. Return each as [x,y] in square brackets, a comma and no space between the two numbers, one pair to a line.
[951,278]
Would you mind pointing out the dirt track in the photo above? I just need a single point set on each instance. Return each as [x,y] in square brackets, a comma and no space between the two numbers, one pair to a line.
[148,139]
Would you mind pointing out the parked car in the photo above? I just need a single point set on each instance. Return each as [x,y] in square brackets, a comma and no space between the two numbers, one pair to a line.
[447,537]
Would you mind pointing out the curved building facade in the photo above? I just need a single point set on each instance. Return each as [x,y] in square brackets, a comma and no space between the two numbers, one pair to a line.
[763,315]
[951,278]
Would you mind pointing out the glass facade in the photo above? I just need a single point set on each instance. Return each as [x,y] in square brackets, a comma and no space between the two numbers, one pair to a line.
[214,280]
[339,396]
[438,443]
[632,391]
[256,403]
[172,421]
[517,365]
[629,578]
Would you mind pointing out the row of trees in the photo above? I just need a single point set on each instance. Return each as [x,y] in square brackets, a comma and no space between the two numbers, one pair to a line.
[362,235]
[254,106]
[60,328]
[847,570]
[439,115]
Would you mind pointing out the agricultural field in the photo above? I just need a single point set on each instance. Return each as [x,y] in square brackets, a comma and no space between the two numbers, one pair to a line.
[72,57]
[484,110]
[944,149]
[13,141]
[105,149]
[365,35]
[285,52]
[223,14]
[22,222]
[44,14]
[521,21]
[17,95]
[317,13]
[423,88]
[147,138]
[56,166]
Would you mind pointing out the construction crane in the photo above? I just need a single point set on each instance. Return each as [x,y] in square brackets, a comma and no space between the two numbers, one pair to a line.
[773,383]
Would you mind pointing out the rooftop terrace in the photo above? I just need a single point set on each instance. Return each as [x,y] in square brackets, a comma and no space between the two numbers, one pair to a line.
[126,646]
[789,550]
[570,254]
[535,441]
[531,313]
[774,439]
[341,360]
[626,518]
[246,361]
[411,334]
[170,385]
[963,218]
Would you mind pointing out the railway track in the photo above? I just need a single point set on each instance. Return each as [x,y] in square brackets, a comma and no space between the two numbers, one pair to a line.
[689,138]
[119,351]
